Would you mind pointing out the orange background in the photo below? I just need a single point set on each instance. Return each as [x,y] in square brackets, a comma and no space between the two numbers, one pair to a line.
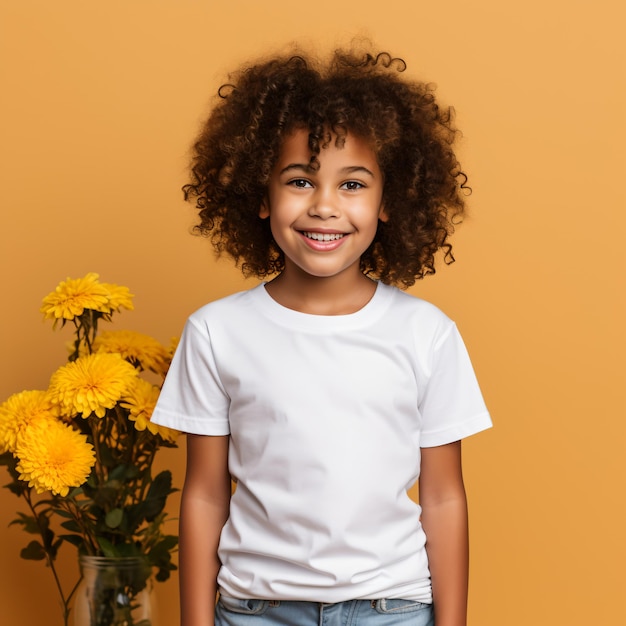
[100,103]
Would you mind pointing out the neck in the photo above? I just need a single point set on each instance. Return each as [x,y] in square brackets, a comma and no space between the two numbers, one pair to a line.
[334,295]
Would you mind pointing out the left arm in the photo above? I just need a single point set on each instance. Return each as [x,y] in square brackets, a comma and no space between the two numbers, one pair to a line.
[444,519]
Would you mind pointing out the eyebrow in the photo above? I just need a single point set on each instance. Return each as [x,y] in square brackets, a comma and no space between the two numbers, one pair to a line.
[351,169]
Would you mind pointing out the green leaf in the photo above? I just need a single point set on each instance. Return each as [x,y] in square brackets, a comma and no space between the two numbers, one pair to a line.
[108,549]
[34,551]
[106,457]
[160,557]
[18,487]
[129,549]
[50,503]
[137,513]
[106,496]
[28,523]
[124,473]
[169,542]
[162,483]
[71,525]
[75,540]
[77,491]
[132,472]
[114,518]
[160,488]
[118,473]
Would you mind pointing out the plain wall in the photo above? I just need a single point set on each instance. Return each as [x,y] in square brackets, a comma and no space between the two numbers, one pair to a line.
[100,103]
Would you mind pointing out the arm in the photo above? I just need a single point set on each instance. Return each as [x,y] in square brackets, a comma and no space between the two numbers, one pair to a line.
[444,519]
[203,512]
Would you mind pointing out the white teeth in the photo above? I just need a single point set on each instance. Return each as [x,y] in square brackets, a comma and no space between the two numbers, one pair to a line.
[323,236]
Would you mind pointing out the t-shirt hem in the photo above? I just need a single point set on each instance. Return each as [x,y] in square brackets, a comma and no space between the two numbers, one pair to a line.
[456,432]
[405,592]
[196,426]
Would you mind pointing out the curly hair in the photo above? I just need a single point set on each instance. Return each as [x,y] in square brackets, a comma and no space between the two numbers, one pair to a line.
[409,132]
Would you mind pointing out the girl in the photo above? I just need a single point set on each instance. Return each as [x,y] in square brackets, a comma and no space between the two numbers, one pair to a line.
[326,392]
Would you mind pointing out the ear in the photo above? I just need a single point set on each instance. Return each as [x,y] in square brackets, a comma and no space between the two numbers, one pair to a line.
[382,214]
[264,209]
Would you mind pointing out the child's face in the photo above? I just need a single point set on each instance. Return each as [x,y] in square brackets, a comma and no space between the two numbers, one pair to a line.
[324,220]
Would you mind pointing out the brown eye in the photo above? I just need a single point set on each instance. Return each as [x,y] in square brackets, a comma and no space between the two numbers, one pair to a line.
[300,183]
[352,185]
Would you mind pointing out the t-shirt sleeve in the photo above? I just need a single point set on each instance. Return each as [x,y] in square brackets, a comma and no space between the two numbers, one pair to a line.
[452,405]
[193,399]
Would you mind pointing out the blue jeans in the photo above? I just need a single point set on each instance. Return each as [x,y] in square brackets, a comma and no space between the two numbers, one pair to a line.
[386,612]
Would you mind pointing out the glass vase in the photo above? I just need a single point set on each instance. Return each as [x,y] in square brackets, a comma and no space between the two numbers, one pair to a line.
[114,592]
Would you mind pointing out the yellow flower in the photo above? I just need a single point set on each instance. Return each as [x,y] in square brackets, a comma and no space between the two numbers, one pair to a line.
[140,401]
[118,297]
[91,384]
[18,412]
[174,341]
[73,296]
[139,349]
[53,457]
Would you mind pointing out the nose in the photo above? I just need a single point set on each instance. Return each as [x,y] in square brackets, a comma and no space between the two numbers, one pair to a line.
[324,204]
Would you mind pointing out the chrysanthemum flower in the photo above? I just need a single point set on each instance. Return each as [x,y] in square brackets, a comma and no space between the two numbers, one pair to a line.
[18,412]
[135,347]
[91,384]
[174,341]
[140,401]
[119,297]
[53,457]
[73,296]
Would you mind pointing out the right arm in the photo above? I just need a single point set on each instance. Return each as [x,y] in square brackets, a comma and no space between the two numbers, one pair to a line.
[204,510]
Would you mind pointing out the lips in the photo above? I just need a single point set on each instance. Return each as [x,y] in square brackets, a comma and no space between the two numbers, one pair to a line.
[323,241]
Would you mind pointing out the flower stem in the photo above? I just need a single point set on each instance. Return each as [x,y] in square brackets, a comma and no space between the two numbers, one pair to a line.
[50,559]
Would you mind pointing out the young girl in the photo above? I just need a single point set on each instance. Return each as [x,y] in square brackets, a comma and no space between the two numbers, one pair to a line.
[326,392]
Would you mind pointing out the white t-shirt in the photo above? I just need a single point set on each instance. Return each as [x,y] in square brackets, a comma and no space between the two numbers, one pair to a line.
[326,415]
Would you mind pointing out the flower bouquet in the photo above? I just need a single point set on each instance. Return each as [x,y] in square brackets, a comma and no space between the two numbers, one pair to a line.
[80,453]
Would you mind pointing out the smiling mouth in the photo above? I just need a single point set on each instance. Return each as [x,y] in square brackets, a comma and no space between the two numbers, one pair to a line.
[323,236]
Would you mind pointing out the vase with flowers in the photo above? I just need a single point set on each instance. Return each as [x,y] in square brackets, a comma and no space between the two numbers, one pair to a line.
[80,455]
